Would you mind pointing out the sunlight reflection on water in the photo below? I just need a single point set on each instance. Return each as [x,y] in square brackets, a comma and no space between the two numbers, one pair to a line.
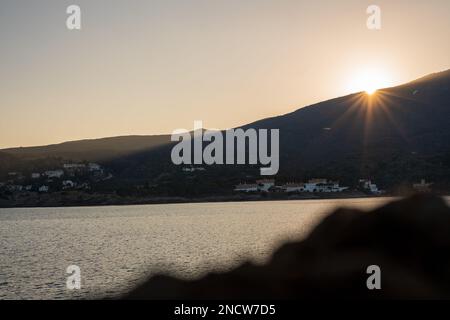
[116,246]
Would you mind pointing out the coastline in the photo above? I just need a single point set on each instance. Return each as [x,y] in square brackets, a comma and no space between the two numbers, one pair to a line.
[79,199]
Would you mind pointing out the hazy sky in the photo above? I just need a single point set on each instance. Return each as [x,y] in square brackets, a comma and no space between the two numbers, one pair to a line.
[152,66]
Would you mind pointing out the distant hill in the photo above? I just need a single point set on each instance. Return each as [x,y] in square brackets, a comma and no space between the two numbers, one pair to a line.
[92,149]
[397,135]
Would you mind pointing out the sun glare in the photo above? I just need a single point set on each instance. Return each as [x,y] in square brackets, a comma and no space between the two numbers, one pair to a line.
[371,90]
[369,81]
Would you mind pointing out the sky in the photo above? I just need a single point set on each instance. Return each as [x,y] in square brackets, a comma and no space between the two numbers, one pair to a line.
[153,66]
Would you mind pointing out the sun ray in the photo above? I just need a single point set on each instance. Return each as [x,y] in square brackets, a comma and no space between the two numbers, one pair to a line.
[383,102]
[369,80]
[369,110]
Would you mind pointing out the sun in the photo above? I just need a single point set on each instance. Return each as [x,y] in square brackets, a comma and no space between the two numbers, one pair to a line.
[371,90]
[369,80]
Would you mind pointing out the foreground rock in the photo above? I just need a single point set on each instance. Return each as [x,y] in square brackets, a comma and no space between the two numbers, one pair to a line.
[408,239]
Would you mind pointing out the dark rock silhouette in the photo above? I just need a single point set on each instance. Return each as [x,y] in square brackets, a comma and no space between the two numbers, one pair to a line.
[408,239]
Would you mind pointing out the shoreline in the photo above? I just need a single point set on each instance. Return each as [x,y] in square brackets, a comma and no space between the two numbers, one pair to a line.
[104,200]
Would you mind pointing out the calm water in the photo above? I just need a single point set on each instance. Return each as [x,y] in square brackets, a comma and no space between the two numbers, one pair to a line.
[116,246]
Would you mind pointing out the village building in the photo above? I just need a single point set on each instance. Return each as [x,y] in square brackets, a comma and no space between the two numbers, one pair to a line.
[72,166]
[43,189]
[293,187]
[54,173]
[422,186]
[68,184]
[314,185]
[331,186]
[369,186]
[14,188]
[265,184]
[15,176]
[35,175]
[193,169]
[83,185]
[94,167]
[244,187]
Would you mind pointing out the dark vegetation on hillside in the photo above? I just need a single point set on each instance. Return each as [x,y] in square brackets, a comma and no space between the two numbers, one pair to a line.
[396,137]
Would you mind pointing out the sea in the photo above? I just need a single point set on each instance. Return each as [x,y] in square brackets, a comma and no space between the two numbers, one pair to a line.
[114,248]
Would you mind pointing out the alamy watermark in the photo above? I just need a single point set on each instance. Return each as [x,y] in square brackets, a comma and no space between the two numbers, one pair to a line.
[374,20]
[73,21]
[74,280]
[374,280]
[228,147]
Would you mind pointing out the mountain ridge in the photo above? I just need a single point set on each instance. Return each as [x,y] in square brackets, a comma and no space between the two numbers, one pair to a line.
[162,137]
[397,135]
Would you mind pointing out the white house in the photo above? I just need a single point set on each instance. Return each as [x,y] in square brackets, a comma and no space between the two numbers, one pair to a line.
[244,187]
[422,186]
[84,185]
[369,186]
[71,166]
[265,184]
[331,186]
[35,175]
[313,185]
[323,185]
[67,184]
[15,188]
[74,168]
[293,187]
[43,189]
[54,173]
[94,167]
[192,169]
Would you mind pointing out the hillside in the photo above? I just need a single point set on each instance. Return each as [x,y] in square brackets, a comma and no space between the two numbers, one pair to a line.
[398,135]
[400,132]
[92,149]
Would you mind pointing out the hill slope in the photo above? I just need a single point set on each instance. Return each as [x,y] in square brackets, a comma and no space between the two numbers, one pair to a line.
[404,125]
[92,149]
[398,134]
